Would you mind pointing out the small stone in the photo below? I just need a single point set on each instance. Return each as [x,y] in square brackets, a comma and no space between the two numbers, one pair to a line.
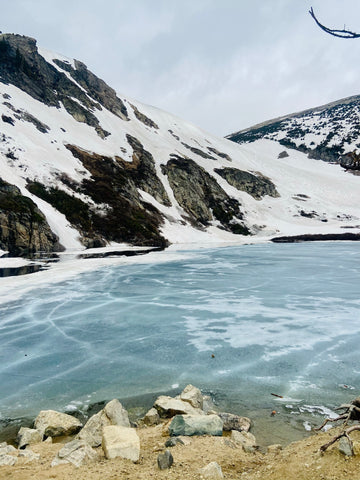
[193,396]
[28,436]
[212,471]
[274,449]
[196,425]
[345,447]
[165,460]
[171,442]
[122,442]
[7,460]
[151,417]
[29,455]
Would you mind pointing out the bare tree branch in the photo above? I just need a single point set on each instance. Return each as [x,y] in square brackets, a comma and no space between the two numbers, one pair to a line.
[336,33]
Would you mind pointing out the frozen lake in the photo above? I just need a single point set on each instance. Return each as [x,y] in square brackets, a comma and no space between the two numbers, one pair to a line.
[239,322]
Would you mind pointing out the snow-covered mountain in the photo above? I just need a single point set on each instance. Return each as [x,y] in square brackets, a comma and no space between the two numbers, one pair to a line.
[81,166]
[328,132]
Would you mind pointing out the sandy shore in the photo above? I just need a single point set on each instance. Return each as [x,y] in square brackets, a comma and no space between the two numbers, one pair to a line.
[299,460]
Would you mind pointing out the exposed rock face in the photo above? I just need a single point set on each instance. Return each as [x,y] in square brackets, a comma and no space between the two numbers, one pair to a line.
[127,219]
[143,173]
[196,425]
[143,118]
[202,197]
[55,424]
[23,66]
[23,228]
[255,185]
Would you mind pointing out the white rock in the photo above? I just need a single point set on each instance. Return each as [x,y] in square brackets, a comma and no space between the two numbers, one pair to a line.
[212,471]
[29,455]
[112,414]
[28,436]
[193,396]
[54,424]
[121,442]
[7,449]
[169,407]
[7,460]
[76,452]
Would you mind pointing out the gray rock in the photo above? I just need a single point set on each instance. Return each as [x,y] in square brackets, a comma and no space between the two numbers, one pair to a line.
[121,442]
[76,452]
[54,424]
[28,436]
[151,417]
[345,447]
[165,460]
[196,425]
[235,422]
[192,395]
[7,460]
[212,471]
[169,407]
[255,185]
[171,442]
[112,414]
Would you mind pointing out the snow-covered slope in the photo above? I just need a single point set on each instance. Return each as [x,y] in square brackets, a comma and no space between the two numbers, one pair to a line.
[105,168]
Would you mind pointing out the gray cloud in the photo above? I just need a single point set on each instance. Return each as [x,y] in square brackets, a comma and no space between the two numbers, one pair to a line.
[222,65]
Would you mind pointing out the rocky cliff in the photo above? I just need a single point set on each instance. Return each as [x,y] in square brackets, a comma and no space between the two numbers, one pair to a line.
[82,166]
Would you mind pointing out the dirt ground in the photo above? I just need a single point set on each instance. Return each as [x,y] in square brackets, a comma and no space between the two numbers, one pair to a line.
[299,460]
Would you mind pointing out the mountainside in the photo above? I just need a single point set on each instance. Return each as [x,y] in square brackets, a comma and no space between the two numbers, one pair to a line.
[328,133]
[82,166]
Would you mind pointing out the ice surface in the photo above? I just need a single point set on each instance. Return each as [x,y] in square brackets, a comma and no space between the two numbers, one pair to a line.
[238,321]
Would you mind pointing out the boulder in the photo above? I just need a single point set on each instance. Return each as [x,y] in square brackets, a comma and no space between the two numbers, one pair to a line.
[112,414]
[169,407]
[28,436]
[55,424]
[196,425]
[151,417]
[274,449]
[212,471]
[165,460]
[172,441]
[245,439]
[234,422]
[193,396]
[121,442]
[76,452]
[5,449]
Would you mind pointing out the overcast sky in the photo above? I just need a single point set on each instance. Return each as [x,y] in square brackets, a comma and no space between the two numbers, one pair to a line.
[221,64]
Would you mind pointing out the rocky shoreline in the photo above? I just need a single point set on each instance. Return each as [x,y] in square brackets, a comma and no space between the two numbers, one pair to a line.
[179,437]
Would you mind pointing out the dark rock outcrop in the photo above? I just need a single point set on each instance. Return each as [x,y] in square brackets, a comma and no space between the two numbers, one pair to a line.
[255,185]
[23,228]
[126,218]
[201,196]
[22,65]
[143,118]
